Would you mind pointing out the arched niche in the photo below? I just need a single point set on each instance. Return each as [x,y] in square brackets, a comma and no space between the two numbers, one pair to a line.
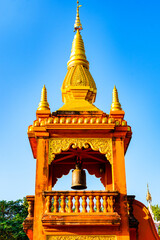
[94,162]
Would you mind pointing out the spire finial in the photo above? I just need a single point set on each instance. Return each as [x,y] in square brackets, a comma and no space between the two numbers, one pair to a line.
[43,105]
[148,197]
[78,25]
[115,106]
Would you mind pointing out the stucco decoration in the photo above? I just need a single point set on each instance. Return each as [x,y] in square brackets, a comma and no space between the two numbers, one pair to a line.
[57,145]
[82,237]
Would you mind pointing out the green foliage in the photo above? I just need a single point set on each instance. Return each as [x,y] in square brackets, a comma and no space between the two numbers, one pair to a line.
[156,212]
[12,215]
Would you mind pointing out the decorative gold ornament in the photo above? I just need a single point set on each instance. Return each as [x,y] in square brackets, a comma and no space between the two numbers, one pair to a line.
[68,120]
[74,120]
[30,128]
[117,123]
[43,105]
[57,145]
[78,25]
[80,120]
[115,106]
[148,197]
[56,120]
[124,123]
[62,120]
[146,211]
[104,120]
[36,123]
[42,123]
[50,120]
[82,237]
[111,120]
[98,120]
[92,120]
[86,120]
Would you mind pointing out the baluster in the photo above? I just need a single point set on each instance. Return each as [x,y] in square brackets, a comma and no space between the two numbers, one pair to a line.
[66,204]
[70,204]
[55,204]
[30,210]
[91,204]
[104,204]
[77,204]
[110,204]
[84,204]
[62,209]
[101,204]
[97,204]
[48,204]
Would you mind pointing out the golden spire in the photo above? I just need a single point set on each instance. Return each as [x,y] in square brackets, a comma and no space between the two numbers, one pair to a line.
[115,106]
[78,52]
[78,88]
[43,105]
[78,25]
[148,197]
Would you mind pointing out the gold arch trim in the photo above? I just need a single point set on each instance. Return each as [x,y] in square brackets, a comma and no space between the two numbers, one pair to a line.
[82,237]
[57,145]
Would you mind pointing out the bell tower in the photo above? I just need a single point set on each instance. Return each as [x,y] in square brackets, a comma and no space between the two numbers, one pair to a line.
[81,137]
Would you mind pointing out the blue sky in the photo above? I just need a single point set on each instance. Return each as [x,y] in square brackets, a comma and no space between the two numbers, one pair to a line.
[122,42]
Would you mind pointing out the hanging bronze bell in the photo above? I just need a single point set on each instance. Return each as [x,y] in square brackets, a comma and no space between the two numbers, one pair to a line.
[78,178]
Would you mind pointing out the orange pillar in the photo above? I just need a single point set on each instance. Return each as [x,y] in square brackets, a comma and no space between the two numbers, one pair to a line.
[41,185]
[119,181]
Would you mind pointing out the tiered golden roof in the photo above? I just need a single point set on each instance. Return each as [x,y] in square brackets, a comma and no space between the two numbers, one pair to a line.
[43,105]
[78,88]
[115,106]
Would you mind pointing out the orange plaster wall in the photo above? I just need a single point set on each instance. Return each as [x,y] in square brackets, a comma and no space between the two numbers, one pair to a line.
[146,228]
[30,234]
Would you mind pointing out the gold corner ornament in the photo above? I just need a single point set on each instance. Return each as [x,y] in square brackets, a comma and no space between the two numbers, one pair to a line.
[82,237]
[57,145]
[115,106]
[43,105]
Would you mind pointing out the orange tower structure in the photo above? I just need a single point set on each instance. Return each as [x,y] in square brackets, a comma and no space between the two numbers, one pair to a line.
[79,131]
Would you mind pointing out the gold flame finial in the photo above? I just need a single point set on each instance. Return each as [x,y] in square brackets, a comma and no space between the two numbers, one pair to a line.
[78,25]
[43,105]
[148,197]
[115,106]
